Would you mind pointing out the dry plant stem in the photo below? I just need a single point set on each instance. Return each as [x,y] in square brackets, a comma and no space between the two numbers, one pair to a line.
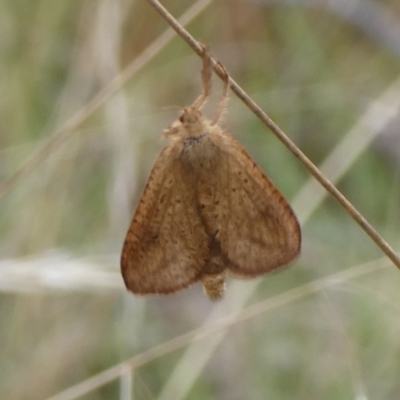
[63,133]
[222,324]
[365,225]
[379,113]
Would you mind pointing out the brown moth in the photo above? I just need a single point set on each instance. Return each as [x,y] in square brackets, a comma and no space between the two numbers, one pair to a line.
[207,211]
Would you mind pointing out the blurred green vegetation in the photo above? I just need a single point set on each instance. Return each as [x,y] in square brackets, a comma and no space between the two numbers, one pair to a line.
[315,69]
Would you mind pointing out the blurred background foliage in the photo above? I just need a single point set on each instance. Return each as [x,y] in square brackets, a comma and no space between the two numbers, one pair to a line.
[315,67]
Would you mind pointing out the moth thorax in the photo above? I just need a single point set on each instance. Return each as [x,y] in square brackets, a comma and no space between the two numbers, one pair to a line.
[214,285]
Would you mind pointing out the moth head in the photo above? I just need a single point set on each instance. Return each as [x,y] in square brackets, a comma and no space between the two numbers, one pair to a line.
[190,116]
[190,123]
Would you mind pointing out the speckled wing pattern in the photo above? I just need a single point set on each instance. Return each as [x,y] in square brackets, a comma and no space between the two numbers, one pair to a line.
[258,230]
[166,248]
[207,209]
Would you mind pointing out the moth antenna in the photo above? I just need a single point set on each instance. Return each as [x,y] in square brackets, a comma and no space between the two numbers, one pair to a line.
[225,97]
[205,79]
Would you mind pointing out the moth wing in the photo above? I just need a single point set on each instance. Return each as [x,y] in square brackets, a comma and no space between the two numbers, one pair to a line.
[166,247]
[259,231]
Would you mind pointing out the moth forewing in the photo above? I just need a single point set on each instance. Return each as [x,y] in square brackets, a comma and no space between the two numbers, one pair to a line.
[166,248]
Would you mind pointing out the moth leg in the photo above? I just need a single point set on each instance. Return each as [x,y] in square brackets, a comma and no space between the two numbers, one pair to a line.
[224,99]
[205,78]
